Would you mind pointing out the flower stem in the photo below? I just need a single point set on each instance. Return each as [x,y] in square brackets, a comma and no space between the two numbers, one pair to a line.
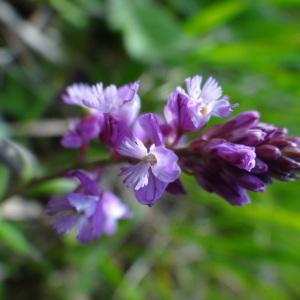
[112,160]
[24,188]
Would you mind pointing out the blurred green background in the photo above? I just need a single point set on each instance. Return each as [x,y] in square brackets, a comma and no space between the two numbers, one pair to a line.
[193,247]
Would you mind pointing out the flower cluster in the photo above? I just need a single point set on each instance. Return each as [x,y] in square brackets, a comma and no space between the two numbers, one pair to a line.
[228,159]
[91,210]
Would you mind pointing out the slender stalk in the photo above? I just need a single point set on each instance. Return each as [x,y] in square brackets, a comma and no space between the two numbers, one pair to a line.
[22,189]
[112,160]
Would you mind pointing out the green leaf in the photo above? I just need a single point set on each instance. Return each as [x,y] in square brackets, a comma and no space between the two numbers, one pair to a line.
[274,215]
[17,158]
[12,238]
[214,15]
[4,177]
[284,2]
[71,12]
[55,186]
[151,34]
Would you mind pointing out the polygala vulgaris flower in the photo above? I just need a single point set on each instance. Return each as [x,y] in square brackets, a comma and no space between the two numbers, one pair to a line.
[89,209]
[228,159]
[83,131]
[147,128]
[122,103]
[190,110]
[243,154]
[116,109]
[154,169]
[277,152]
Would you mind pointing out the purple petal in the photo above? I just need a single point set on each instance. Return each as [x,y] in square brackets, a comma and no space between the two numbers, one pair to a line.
[72,140]
[98,219]
[114,131]
[199,120]
[128,111]
[150,193]
[178,112]
[83,131]
[147,129]
[260,167]
[176,188]
[77,93]
[211,90]
[238,155]
[166,168]
[112,209]
[133,148]
[128,91]
[222,108]
[242,121]
[63,224]
[137,175]
[113,206]
[234,195]
[193,86]
[251,137]
[83,203]
[86,180]
[57,204]
[129,103]
[96,100]
[90,127]
[111,97]
[226,188]
[251,182]
[268,152]
[86,232]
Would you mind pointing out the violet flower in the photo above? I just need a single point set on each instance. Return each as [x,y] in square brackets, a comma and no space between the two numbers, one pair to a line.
[154,170]
[277,152]
[83,131]
[223,167]
[208,100]
[191,110]
[116,107]
[147,128]
[238,155]
[88,209]
[151,129]
[243,154]
[228,159]
[122,103]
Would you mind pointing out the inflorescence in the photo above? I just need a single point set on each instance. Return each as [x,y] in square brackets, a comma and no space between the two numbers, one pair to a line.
[228,159]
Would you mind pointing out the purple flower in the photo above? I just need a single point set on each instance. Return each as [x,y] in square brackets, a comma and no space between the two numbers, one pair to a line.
[176,188]
[147,128]
[114,131]
[179,113]
[88,209]
[122,103]
[218,179]
[208,100]
[234,127]
[116,107]
[190,110]
[83,131]
[153,171]
[223,167]
[238,155]
[242,154]
[277,154]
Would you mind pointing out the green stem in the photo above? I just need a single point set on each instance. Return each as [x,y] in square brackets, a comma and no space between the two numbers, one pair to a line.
[22,189]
